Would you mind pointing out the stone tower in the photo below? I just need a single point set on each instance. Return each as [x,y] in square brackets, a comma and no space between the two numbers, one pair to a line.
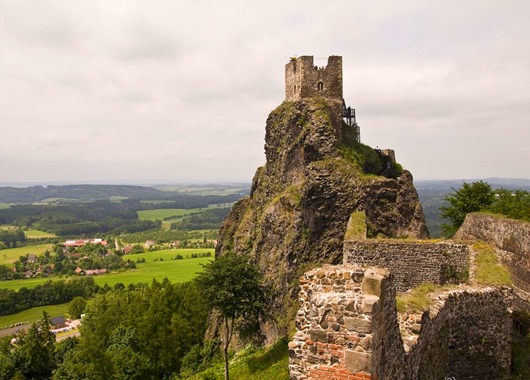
[305,80]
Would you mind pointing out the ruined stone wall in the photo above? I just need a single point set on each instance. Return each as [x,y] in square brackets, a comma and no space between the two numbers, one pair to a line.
[304,80]
[510,236]
[412,263]
[334,324]
[347,328]
[467,335]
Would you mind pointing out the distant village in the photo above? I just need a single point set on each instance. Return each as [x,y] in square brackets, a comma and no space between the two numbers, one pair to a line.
[90,257]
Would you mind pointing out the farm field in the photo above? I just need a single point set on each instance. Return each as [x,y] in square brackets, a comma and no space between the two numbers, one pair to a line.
[175,270]
[163,213]
[4,206]
[214,189]
[36,234]
[9,256]
[33,314]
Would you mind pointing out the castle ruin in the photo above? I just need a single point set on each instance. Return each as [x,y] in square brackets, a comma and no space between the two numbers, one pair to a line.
[348,326]
[305,80]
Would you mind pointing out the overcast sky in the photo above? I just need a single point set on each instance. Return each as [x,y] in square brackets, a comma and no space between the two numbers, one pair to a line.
[179,91]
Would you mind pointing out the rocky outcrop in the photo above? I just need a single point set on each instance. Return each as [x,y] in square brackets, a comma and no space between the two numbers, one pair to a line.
[301,200]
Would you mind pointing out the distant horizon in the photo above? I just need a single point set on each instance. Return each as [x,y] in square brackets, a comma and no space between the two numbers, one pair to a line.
[156,182]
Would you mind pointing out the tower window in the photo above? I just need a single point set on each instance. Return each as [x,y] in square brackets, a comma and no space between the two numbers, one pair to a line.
[320,86]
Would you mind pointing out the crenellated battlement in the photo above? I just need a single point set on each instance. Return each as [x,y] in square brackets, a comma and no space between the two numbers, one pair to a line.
[304,80]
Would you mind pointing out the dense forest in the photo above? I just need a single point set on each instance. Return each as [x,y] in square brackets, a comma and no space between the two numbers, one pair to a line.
[207,220]
[78,218]
[141,332]
[95,192]
[88,210]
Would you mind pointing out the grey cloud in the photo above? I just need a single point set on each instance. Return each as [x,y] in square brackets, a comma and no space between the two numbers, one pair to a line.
[182,82]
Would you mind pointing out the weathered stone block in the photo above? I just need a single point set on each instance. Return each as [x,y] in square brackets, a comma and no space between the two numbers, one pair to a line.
[359,325]
[319,336]
[370,304]
[350,306]
[366,342]
[373,282]
[357,361]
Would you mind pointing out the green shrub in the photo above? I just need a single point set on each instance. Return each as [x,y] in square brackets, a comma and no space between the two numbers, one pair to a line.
[363,157]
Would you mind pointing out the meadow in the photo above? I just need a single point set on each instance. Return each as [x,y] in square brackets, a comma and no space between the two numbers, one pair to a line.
[158,265]
[205,190]
[9,256]
[161,214]
[30,234]
[36,234]
[33,314]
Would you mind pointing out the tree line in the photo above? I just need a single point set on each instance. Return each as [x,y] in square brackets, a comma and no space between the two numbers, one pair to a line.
[78,219]
[11,238]
[108,192]
[98,217]
[49,293]
[210,219]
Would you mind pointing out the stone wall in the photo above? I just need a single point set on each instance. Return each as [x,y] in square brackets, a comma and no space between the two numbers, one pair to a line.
[466,335]
[347,328]
[510,236]
[412,263]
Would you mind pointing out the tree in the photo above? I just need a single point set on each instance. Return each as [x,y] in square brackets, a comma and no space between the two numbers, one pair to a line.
[233,287]
[36,353]
[512,204]
[472,197]
[77,307]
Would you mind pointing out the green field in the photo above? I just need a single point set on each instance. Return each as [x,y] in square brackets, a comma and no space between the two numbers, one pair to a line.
[30,234]
[163,213]
[36,234]
[202,190]
[9,256]
[174,270]
[33,314]
[4,206]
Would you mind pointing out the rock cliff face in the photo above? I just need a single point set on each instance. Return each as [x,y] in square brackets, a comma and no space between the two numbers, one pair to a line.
[301,200]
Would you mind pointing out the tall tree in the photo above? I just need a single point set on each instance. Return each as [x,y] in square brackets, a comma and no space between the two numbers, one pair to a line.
[234,288]
[36,353]
[471,197]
